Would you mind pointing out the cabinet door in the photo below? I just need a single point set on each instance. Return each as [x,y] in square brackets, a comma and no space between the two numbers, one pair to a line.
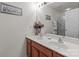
[42,54]
[35,52]
[43,51]
[55,54]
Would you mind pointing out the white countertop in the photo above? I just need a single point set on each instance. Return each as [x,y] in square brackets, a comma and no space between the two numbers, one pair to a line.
[69,49]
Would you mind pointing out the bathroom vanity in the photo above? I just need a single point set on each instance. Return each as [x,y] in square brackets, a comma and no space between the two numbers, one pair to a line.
[49,47]
[35,49]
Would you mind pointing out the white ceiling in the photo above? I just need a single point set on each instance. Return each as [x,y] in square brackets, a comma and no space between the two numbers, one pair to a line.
[62,6]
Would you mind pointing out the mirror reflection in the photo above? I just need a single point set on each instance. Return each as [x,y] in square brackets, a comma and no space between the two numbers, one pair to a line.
[60,18]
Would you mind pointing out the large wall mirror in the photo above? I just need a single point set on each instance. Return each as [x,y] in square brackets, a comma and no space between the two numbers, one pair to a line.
[64,18]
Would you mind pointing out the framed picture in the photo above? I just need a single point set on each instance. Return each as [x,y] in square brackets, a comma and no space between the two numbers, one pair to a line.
[9,9]
[47,17]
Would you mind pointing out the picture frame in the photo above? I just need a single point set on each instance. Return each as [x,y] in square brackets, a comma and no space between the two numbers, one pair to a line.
[9,9]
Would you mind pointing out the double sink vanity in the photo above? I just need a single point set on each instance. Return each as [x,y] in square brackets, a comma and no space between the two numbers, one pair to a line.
[50,45]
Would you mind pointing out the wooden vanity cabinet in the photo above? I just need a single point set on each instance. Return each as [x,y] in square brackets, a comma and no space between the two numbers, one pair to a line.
[42,51]
[37,50]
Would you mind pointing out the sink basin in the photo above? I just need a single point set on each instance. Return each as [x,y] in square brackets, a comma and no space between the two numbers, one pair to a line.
[58,45]
[53,42]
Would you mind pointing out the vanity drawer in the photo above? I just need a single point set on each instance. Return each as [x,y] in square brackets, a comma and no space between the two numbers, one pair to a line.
[42,49]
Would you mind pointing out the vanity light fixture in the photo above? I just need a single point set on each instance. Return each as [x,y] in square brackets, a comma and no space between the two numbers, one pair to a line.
[36,6]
